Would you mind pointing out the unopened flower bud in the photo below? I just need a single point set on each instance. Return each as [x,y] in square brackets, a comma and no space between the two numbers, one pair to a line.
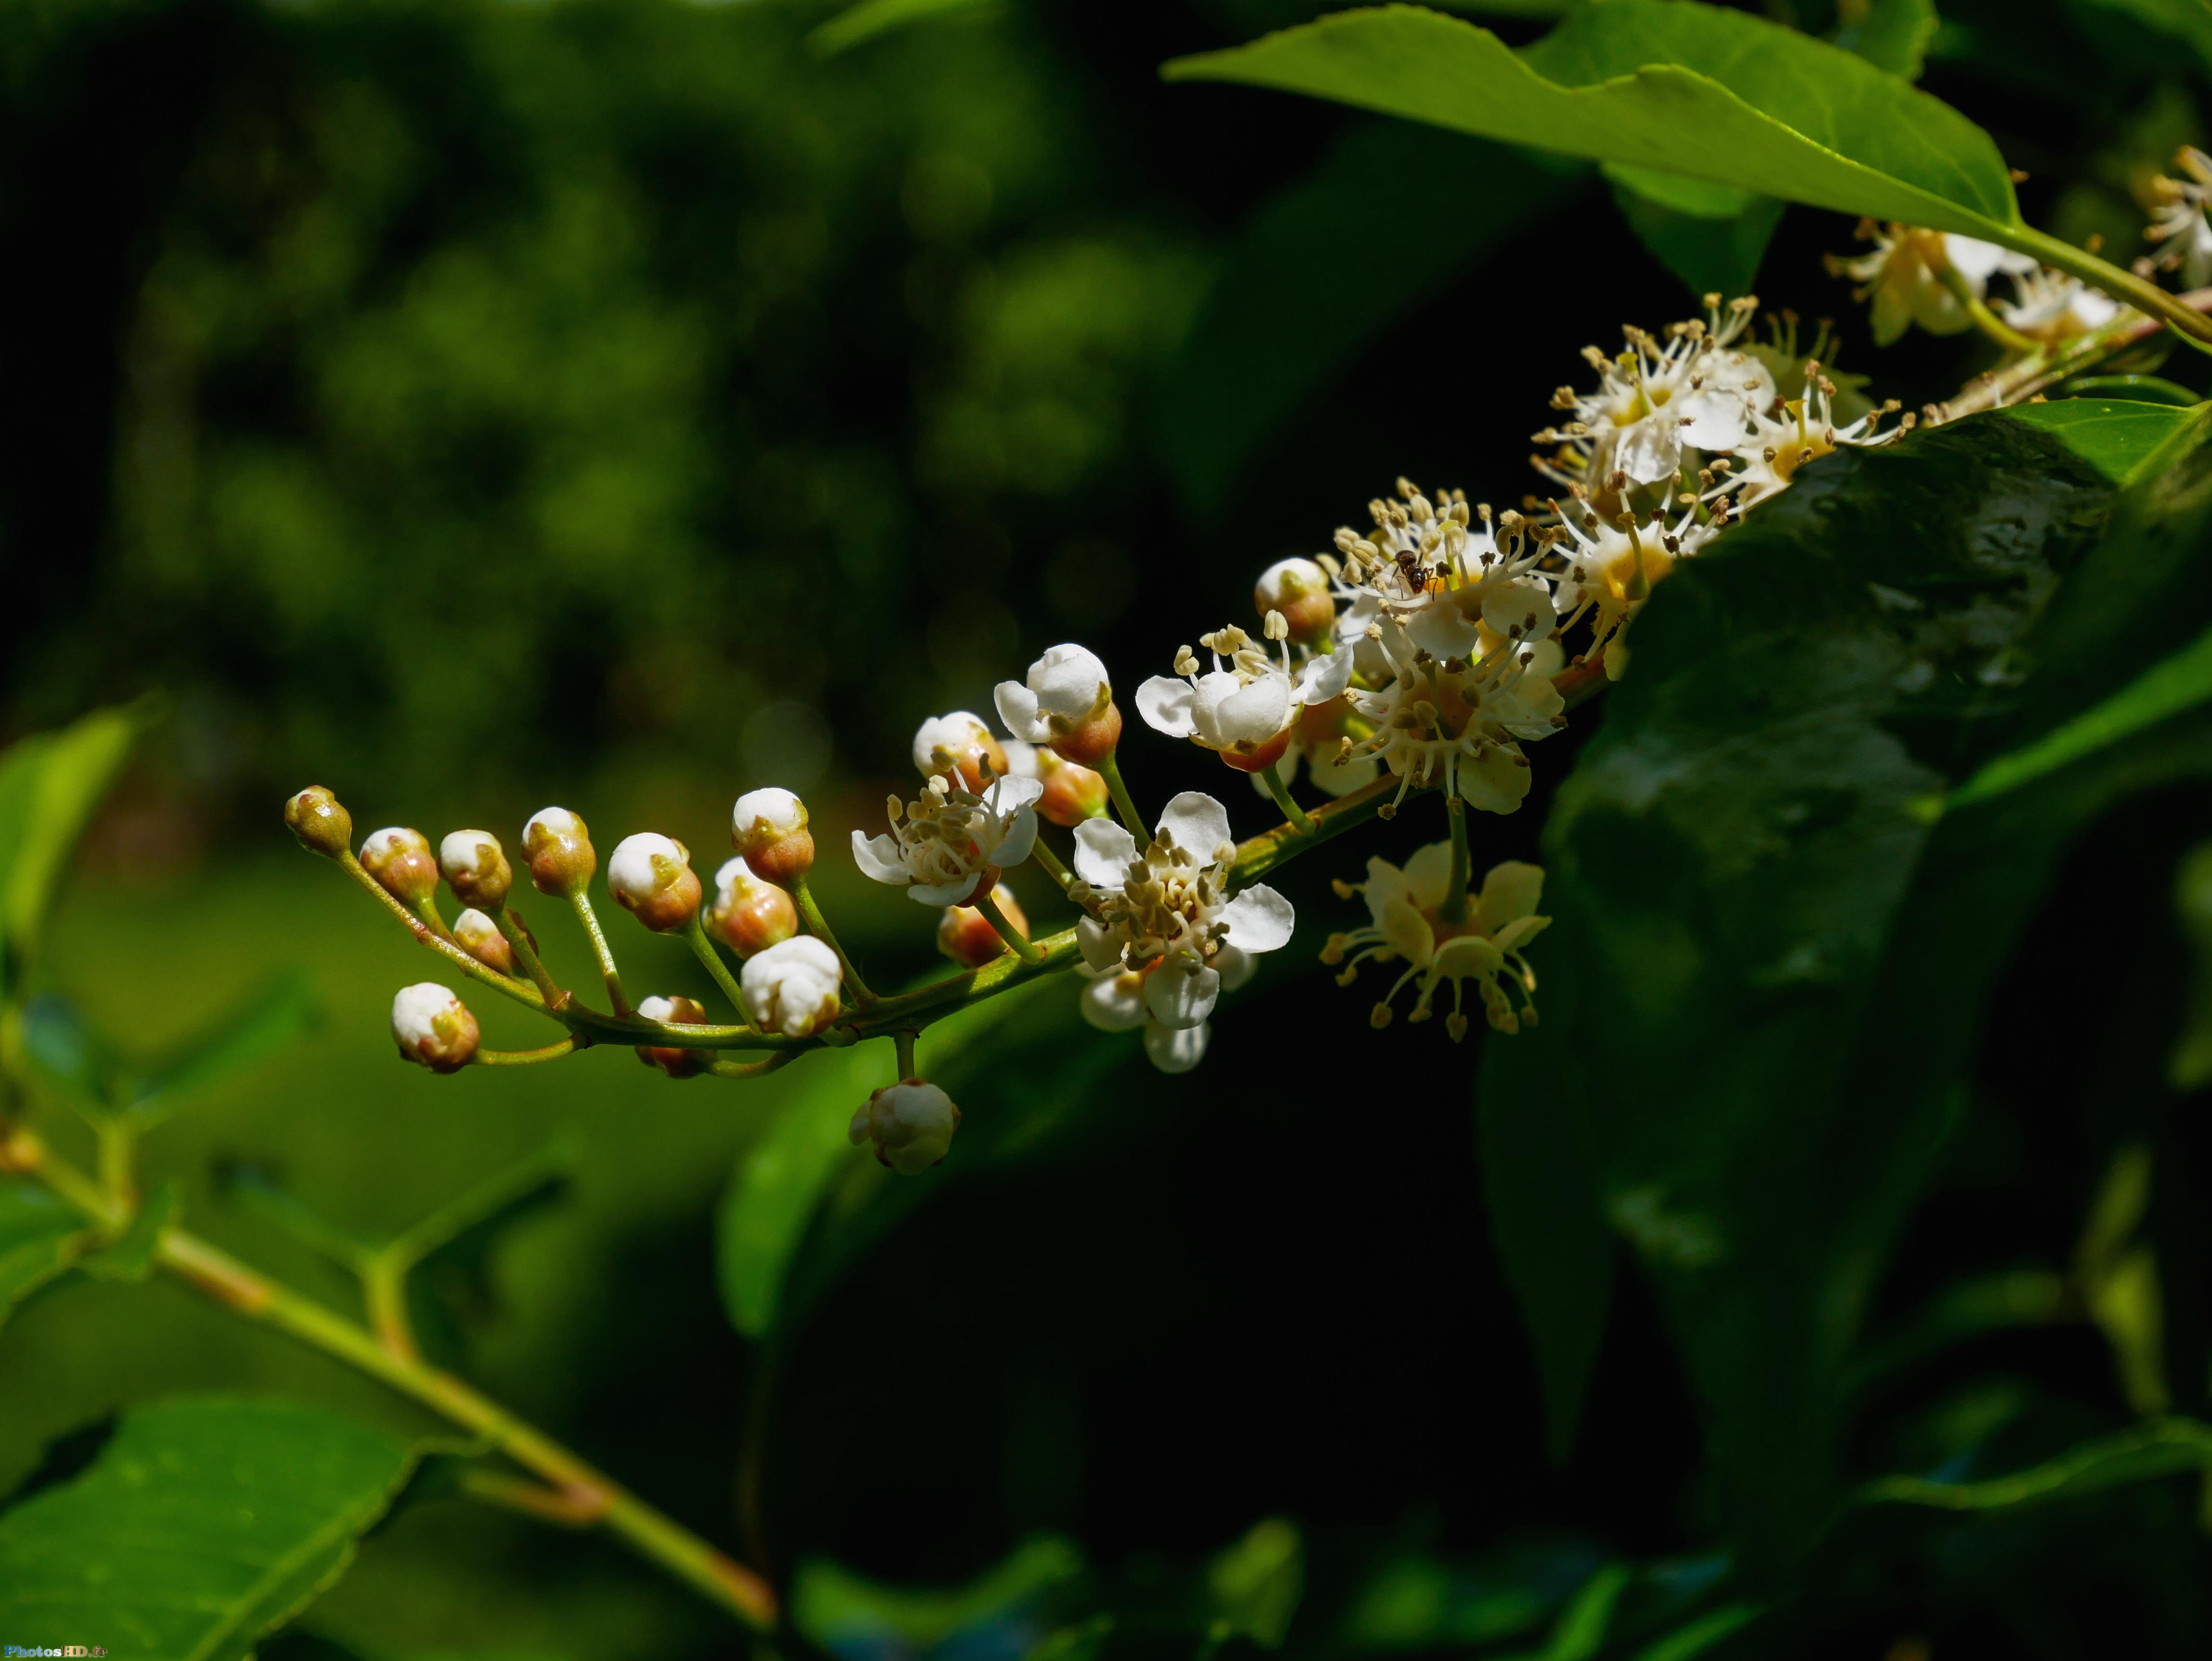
[399,858]
[433,1028]
[320,821]
[560,852]
[673,1012]
[769,828]
[479,936]
[1072,793]
[959,740]
[475,868]
[911,1124]
[965,934]
[1067,702]
[651,877]
[749,916]
[792,987]
[1298,590]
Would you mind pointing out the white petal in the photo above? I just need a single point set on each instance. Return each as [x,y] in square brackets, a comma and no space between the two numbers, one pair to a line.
[1174,1049]
[1467,954]
[1165,704]
[1324,677]
[1115,1003]
[944,893]
[1235,967]
[1496,784]
[1102,947]
[1021,758]
[1332,779]
[1017,708]
[1443,631]
[1066,681]
[1103,853]
[1020,838]
[1408,932]
[1428,874]
[1251,714]
[1011,793]
[879,857]
[1259,919]
[1523,603]
[1385,886]
[1652,450]
[1977,261]
[1193,820]
[1518,932]
[1181,991]
[1513,888]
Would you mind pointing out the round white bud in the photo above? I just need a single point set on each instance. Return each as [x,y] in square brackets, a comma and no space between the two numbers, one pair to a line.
[650,875]
[432,1027]
[911,1124]
[791,986]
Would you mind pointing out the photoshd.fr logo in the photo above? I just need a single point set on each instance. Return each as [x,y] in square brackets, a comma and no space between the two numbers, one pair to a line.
[14,1649]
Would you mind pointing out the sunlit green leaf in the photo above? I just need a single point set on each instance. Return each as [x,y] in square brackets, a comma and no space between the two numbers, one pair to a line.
[839,1610]
[1891,35]
[268,1021]
[1675,87]
[2160,1447]
[1256,1583]
[39,1237]
[49,786]
[1700,1635]
[202,1525]
[869,18]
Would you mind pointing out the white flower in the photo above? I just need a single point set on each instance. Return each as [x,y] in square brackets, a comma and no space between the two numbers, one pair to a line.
[1067,688]
[1115,1002]
[1696,390]
[650,876]
[2180,223]
[791,986]
[1905,277]
[2050,305]
[1244,706]
[1611,569]
[1167,913]
[1405,908]
[1428,570]
[432,1027]
[959,741]
[941,848]
[910,1122]
[1319,739]
[1801,430]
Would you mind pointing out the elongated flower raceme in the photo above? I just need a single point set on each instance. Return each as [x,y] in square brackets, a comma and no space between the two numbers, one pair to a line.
[1430,571]
[948,846]
[1405,906]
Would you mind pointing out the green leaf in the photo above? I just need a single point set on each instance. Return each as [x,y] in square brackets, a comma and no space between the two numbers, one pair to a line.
[1666,85]
[203,1524]
[130,1255]
[843,1613]
[1712,251]
[1768,957]
[2124,439]
[1891,34]
[2144,1452]
[1584,1625]
[1289,308]
[1254,1586]
[869,18]
[1700,1635]
[49,788]
[2187,22]
[39,1237]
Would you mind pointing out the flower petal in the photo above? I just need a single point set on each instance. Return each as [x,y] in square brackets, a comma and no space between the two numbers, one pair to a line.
[1101,947]
[1103,854]
[1524,605]
[1181,991]
[1235,967]
[1408,932]
[1115,1003]
[945,893]
[1259,920]
[1017,708]
[1443,630]
[1068,681]
[1428,875]
[1193,820]
[1165,704]
[1176,1050]
[1518,932]
[1020,839]
[879,857]
[1512,890]
[1324,677]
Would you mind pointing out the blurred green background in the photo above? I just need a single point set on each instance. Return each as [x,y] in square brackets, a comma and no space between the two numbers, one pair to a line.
[472,406]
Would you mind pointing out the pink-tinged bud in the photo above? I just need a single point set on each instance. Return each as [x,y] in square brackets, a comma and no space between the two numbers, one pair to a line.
[749,915]
[475,868]
[1298,588]
[560,852]
[1072,793]
[792,987]
[911,1124]
[651,877]
[673,1012]
[959,741]
[769,828]
[433,1028]
[479,936]
[965,935]
[320,821]
[1091,740]
[399,858]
